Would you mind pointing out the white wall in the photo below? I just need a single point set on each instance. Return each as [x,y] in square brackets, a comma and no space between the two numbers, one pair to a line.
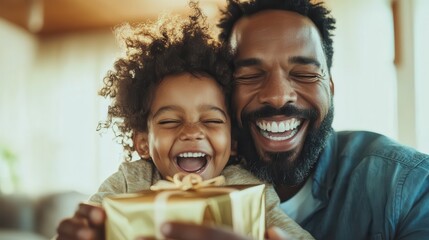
[372,93]
[63,92]
[421,40]
[50,108]
[17,54]
[363,69]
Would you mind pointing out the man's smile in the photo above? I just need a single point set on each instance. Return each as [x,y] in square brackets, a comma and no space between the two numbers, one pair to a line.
[279,134]
[278,130]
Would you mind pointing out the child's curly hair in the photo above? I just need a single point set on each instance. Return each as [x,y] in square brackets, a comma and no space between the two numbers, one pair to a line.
[169,46]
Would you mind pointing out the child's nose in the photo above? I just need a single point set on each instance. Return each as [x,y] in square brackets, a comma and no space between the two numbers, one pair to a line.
[191,131]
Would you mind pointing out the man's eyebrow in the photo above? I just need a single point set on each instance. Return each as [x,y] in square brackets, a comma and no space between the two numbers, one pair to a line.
[247,62]
[297,60]
[304,61]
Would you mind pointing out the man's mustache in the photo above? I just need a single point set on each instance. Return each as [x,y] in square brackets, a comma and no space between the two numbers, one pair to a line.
[288,110]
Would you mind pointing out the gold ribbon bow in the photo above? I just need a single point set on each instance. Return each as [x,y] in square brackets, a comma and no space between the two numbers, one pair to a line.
[184,182]
[178,185]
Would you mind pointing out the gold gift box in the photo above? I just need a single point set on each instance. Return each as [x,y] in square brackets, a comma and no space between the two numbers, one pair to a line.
[240,207]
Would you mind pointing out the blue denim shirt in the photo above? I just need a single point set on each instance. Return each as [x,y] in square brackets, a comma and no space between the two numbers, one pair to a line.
[370,188]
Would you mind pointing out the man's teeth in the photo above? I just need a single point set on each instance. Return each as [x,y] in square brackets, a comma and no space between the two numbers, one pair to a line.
[192,154]
[279,127]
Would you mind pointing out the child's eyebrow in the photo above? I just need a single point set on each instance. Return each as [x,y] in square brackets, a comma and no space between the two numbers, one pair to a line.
[166,109]
[213,108]
[205,107]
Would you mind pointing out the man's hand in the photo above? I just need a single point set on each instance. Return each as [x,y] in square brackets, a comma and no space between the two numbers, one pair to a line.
[184,231]
[275,233]
[86,224]
[187,231]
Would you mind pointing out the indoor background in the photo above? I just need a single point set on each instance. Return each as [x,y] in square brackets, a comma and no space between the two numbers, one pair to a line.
[54,54]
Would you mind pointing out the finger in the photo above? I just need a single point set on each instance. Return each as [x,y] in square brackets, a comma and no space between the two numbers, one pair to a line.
[187,231]
[70,229]
[275,233]
[87,223]
[95,214]
[83,210]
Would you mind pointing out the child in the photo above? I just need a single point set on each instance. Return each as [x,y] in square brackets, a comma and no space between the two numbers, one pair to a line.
[171,96]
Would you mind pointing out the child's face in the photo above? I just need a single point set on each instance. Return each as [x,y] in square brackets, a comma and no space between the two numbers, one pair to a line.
[189,129]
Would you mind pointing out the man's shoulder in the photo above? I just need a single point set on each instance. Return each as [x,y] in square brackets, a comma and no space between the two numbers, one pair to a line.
[383,184]
[361,145]
[364,158]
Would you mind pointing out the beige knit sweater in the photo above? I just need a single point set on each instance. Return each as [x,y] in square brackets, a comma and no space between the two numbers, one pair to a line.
[139,175]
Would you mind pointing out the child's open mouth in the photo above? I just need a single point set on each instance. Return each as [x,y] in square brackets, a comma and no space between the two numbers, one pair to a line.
[192,162]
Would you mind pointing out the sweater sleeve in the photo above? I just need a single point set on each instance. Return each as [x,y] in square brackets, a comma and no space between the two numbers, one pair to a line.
[114,184]
[131,177]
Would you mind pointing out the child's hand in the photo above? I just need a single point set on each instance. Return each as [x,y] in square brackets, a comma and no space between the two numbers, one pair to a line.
[86,224]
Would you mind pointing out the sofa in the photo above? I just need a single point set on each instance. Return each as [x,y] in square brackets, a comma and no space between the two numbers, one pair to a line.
[23,217]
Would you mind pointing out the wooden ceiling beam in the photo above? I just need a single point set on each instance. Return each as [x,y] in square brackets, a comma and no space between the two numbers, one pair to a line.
[59,16]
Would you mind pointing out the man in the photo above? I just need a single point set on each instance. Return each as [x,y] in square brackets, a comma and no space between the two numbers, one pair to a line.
[336,185]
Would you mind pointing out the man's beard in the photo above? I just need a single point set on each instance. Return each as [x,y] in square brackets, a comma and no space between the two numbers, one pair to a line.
[282,170]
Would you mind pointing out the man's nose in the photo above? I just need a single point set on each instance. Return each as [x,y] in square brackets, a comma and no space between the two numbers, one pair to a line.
[277,91]
[191,131]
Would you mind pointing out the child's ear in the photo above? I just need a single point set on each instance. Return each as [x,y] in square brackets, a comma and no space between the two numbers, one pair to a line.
[141,144]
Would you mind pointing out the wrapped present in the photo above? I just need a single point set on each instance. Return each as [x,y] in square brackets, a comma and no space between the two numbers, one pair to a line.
[240,207]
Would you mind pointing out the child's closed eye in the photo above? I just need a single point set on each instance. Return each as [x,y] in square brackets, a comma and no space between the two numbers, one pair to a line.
[214,121]
[169,122]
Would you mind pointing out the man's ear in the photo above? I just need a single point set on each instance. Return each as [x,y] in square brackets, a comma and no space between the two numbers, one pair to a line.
[141,144]
[331,86]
